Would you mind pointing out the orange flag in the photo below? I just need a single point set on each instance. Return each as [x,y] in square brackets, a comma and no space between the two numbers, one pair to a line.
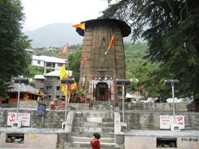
[112,42]
[80,25]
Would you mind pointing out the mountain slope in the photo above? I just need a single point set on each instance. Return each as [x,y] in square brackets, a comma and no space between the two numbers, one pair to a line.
[54,35]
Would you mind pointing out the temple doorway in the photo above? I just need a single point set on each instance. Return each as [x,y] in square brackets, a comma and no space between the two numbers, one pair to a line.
[102,91]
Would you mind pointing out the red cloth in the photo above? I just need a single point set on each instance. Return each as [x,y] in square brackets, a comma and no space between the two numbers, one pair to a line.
[95,144]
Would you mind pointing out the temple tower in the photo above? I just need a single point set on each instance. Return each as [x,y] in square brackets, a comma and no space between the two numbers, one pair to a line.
[103,57]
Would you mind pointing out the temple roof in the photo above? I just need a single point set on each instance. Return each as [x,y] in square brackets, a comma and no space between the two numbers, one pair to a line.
[125,29]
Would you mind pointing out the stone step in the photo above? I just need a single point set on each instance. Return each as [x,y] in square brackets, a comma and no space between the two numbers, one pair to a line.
[83,145]
[90,134]
[93,129]
[89,124]
[87,139]
[107,114]
[87,145]
[86,119]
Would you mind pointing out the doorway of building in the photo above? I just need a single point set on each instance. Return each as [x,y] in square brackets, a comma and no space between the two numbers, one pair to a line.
[102,91]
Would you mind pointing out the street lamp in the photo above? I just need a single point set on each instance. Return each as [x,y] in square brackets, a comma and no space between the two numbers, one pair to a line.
[19,81]
[123,83]
[172,82]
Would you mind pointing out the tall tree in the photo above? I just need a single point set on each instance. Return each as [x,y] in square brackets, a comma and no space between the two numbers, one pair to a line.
[171,29]
[13,58]
[74,63]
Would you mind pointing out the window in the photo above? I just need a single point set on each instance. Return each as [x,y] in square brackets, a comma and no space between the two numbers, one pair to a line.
[48,87]
[15,138]
[60,64]
[49,64]
[166,143]
[58,88]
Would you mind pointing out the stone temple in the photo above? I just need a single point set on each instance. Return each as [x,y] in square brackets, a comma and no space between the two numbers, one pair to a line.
[103,57]
[128,125]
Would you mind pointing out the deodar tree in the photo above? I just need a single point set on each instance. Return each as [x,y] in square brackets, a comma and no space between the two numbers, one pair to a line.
[171,28]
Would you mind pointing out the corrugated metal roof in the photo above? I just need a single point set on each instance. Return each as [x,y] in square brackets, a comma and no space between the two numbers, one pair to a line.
[23,88]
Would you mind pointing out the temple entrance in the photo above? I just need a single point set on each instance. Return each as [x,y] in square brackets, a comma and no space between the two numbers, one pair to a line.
[102,91]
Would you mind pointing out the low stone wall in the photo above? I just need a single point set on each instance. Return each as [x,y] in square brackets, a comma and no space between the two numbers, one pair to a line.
[151,120]
[142,139]
[51,119]
[163,107]
[33,138]
[160,107]
[35,141]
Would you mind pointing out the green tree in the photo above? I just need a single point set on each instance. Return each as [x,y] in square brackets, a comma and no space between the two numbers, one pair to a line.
[141,70]
[171,29]
[13,58]
[74,63]
[34,70]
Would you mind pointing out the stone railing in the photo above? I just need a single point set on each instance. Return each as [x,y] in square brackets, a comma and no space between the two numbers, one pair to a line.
[68,124]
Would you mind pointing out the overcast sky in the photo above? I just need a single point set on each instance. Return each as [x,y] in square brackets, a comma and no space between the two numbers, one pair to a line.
[42,12]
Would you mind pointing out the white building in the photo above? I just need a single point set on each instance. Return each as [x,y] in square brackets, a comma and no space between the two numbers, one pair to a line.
[47,62]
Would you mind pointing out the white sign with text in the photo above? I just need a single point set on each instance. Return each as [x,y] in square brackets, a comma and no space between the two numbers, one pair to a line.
[23,118]
[166,121]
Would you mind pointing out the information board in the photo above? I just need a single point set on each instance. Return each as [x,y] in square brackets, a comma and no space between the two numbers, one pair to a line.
[166,121]
[23,118]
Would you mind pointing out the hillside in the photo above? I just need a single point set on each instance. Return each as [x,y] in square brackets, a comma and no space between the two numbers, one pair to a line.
[54,35]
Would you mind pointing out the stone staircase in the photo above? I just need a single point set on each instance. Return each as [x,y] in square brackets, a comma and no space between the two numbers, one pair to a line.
[86,123]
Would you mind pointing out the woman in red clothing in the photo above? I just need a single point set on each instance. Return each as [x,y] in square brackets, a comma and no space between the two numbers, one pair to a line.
[95,142]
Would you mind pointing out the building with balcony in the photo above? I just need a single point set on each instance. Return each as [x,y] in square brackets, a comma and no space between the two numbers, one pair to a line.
[48,63]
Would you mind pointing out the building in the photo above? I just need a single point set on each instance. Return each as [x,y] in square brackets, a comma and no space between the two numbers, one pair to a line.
[39,82]
[28,94]
[52,85]
[49,83]
[47,62]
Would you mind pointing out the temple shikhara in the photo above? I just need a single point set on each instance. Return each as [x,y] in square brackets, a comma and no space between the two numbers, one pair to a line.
[103,57]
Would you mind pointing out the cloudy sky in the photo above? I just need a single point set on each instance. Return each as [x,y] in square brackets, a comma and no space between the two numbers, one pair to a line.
[42,12]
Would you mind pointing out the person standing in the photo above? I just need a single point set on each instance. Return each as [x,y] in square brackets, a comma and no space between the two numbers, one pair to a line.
[95,142]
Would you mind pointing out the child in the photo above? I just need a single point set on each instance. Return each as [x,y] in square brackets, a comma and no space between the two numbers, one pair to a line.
[95,142]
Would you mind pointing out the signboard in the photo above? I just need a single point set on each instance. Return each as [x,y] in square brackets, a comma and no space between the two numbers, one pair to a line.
[24,118]
[179,121]
[166,121]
